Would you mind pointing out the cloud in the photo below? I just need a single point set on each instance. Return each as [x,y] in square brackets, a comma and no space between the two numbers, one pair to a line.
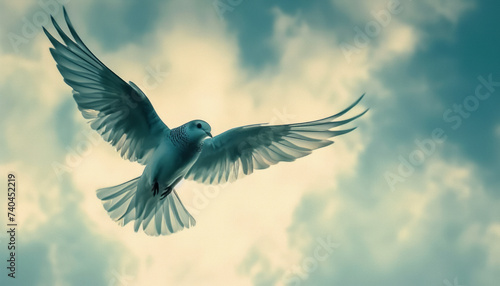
[226,96]
[440,222]
[406,215]
[419,229]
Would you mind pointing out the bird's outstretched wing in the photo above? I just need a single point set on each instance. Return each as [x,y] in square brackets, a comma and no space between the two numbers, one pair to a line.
[120,112]
[241,150]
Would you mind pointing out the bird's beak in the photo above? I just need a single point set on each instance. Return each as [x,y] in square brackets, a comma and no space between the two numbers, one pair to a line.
[209,134]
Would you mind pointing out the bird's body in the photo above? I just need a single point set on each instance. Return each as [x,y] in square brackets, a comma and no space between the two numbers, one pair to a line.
[124,117]
[169,163]
[171,160]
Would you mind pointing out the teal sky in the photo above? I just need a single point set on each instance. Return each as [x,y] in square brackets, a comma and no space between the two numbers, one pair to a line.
[409,198]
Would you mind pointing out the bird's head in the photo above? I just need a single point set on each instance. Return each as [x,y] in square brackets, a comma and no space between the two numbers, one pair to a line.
[198,130]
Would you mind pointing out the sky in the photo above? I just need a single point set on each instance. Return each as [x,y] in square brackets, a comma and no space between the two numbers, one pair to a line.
[409,198]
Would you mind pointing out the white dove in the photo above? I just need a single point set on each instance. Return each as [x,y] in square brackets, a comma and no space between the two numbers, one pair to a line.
[124,117]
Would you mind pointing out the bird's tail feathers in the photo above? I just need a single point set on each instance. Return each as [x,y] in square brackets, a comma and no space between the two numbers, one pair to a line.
[157,217]
[164,216]
[119,201]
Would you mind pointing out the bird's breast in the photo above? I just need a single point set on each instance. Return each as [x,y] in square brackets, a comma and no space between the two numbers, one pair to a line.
[169,163]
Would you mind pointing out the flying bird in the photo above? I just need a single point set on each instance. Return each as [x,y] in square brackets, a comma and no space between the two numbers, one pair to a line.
[122,114]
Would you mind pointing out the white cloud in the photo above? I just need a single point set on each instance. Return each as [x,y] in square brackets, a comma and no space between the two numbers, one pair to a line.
[399,40]
[16,6]
[206,80]
[422,11]
[492,241]
[408,226]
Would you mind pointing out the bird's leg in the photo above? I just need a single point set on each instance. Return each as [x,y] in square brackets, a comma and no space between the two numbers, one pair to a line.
[170,188]
[167,192]
[156,189]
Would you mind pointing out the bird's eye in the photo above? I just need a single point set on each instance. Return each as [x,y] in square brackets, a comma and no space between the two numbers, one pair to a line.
[198,125]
